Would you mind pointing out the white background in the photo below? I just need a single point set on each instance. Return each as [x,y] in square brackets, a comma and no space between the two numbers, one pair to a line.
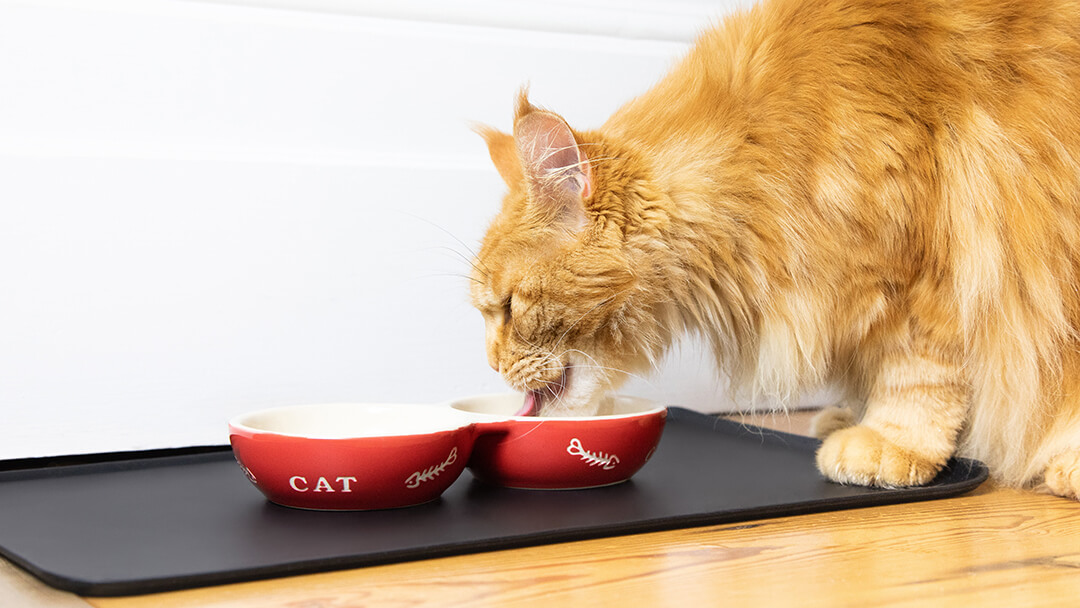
[212,207]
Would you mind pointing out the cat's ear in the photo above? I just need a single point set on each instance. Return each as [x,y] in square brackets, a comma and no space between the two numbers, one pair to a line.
[555,168]
[504,153]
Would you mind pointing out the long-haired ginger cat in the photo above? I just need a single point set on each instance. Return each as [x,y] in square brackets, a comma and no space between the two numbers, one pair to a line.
[884,195]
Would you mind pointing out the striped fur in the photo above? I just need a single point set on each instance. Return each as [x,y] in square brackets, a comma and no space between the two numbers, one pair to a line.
[882,194]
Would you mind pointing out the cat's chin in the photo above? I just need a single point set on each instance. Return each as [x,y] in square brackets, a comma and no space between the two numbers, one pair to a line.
[580,394]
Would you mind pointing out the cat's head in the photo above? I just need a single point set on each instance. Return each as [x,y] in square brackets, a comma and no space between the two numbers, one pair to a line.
[558,278]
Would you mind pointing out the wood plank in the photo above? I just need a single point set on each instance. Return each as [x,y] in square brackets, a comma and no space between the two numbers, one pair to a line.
[19,589]
[996,547]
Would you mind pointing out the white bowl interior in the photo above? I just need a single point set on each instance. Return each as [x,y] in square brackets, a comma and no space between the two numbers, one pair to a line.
[351,420]
[507,404]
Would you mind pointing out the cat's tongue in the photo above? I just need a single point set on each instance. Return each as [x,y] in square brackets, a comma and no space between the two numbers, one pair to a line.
[531,407]
[534,400]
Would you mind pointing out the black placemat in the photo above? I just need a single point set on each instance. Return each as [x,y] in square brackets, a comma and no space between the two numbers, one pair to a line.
[140,525]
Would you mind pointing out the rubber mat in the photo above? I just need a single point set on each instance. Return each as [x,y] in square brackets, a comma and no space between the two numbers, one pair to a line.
[134,524]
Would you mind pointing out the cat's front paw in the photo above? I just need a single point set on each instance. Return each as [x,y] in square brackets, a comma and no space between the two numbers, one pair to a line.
[861,456]
[1062,476]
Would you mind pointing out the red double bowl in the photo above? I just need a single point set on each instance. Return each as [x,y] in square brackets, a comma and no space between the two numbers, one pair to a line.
[378,456]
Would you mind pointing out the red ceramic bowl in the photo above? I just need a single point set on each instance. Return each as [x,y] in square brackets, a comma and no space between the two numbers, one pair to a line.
[373,456]
[352,456]
[561,453]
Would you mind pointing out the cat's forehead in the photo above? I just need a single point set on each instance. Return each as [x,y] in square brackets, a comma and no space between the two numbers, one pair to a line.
[516,253]
[491,279]
[503,268]
[495,277]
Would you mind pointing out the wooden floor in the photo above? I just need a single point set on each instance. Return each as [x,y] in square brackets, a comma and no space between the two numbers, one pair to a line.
[993,547]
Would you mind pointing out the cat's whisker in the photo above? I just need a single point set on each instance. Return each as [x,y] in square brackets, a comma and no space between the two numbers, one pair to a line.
[475,256]
[596,365]
[462,256]
[532,345]
[557,365]
[453,275]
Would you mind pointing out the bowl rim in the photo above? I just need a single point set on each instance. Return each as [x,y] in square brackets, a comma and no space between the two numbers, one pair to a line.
[457,417]
[239,424]
[653,411]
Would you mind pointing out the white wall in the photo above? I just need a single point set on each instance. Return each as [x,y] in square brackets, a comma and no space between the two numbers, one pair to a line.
[210,207]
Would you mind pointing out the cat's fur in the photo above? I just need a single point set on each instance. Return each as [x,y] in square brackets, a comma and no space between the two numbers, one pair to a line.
[883,194]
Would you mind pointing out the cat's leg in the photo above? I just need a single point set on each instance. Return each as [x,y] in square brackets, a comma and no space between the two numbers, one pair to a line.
[1059,452]
[831,419]
[834,418]
[914,411]
[1062,476]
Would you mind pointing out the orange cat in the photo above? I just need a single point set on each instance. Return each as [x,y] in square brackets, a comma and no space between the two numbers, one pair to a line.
[879,194]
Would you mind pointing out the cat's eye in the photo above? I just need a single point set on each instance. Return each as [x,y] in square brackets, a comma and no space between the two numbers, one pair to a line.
[507,315]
